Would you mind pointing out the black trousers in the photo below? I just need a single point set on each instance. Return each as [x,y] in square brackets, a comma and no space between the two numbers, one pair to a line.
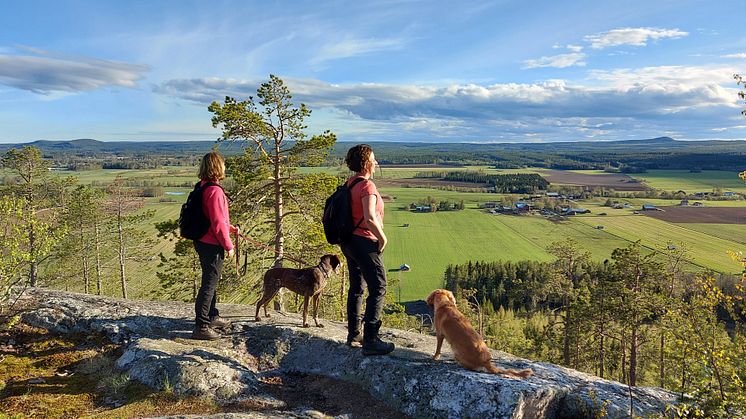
[211,260]
[366,270]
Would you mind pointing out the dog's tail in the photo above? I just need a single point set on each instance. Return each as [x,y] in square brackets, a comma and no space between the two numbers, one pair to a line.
[513,373]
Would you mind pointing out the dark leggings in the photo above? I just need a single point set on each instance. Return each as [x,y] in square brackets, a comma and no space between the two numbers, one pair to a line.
[211,260]
[366,269]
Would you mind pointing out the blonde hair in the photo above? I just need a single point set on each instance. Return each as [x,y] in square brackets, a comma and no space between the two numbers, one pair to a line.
[212,166]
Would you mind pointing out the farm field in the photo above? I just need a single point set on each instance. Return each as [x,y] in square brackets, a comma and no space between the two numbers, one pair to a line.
[712,215]
[704,181]
[434,240]
[732,232]
[705,250]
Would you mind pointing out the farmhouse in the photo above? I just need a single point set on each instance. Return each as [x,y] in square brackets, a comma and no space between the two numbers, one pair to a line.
[523,206]
[650,207]
[575,211]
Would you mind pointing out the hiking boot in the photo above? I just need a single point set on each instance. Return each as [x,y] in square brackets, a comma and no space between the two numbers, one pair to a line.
[205,332]
[372,344]
[357,337]
[353,331]
[218,322]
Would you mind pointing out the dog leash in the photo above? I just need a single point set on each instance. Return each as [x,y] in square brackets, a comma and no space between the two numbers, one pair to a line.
[260,244]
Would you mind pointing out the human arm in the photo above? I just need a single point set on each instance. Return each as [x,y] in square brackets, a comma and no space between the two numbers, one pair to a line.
[216,210]
[373,222]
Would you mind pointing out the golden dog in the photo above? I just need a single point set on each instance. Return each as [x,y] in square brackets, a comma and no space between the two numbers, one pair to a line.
[469,349]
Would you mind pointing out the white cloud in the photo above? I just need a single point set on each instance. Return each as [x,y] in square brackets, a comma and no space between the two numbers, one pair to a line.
[355,47]
[612,104]
[740,55]
[575,48]
[46,73]
[631,36]
[557,61]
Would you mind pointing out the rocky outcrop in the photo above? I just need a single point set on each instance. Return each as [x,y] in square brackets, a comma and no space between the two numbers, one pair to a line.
[159,353]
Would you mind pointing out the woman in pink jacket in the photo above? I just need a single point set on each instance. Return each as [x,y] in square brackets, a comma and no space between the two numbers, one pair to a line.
[212,247]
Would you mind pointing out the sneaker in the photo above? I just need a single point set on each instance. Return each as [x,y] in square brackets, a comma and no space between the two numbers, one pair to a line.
[205,333]
[218,322]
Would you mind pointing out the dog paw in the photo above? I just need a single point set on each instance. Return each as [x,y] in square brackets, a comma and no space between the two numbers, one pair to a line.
[257,319]
[319,325]
[436,357]
[306,325]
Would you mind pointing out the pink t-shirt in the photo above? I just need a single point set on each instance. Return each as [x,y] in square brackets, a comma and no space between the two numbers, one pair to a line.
[363,189]
[215,207]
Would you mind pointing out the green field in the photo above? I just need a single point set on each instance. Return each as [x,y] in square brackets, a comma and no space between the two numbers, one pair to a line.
[732,232]
[707,251]
[434,240]
[705,181]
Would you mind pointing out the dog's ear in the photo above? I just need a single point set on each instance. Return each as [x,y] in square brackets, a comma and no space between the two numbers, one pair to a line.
[336,263]
[450,296]
[431,298]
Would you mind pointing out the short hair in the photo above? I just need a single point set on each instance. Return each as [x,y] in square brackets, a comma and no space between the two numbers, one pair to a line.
[212,166]
[358,156]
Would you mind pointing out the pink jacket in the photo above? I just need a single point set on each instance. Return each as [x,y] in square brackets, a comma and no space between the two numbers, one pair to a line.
[215,207]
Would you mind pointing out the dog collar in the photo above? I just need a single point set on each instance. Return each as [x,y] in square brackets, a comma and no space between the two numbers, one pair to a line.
[326,274]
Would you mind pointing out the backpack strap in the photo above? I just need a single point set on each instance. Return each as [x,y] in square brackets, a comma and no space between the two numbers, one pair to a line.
[352,185]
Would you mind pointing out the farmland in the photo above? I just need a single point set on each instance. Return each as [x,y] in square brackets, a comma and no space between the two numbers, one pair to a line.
[434,240]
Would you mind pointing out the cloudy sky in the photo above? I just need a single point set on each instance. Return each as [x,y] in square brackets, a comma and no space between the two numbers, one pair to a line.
[487,71]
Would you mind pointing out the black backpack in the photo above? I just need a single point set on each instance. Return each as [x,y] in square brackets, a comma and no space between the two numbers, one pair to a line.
[337,219]
[193,223]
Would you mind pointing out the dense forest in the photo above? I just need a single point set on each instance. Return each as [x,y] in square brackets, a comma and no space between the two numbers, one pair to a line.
[635,318]
[625,156]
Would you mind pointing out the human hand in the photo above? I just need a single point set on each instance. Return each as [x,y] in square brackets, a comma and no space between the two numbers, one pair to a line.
[231,253]
[382,243]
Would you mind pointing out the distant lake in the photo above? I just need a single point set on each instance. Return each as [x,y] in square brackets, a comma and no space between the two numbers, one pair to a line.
[175,193]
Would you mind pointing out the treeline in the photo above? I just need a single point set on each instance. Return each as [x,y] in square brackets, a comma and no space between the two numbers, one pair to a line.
[635,318]
[503,183]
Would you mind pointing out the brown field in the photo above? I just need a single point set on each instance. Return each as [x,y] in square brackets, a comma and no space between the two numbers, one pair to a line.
[427,183]
[614,181]
[702,215]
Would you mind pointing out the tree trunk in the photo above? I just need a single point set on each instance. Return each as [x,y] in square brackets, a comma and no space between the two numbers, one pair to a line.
[624,360]
[633,357]
[86,282]
[566,340]
[121,249]
[601,353]
[96,240]
[662,360]
[34,265]
[279,303]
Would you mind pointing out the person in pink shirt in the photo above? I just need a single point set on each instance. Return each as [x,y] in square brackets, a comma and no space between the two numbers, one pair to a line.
[363,253]
[212,246]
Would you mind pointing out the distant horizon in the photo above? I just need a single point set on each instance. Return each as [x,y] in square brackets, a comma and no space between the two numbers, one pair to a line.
[404,71]
[385,141]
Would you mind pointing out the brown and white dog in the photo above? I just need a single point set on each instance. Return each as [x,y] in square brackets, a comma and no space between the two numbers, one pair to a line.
[469,349]
[308,282]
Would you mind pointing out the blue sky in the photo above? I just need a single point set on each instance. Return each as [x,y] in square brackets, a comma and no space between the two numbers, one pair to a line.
[489,71]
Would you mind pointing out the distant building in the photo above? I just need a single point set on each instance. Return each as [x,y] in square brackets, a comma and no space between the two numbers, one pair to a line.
[423,208]
[649,207]
[523,206]
[553,195]
[575,211]
[684,202]
[729,193]
[490,204]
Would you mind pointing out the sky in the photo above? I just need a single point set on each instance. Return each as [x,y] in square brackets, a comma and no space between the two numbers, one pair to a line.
[415,71]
